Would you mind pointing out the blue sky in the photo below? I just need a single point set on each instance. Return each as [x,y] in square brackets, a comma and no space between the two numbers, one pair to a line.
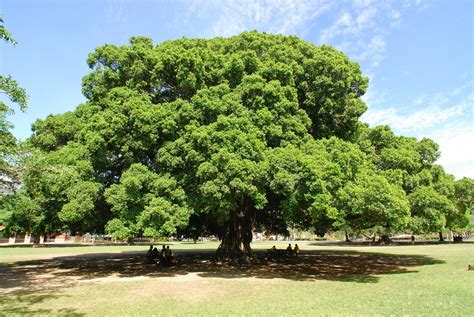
[418,54]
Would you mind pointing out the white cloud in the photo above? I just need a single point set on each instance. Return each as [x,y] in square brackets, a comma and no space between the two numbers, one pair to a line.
[115,11]
[337,28]
[345,19]
[458,138]
[350,25]
[361,3]
[365,18]
[358,27]
[438,110]
[416,121]
[361,28]
[374,51]
[420,4]
[279,16]
[396,18]
[451,126]
[374,97]
[457,153]
[436,98]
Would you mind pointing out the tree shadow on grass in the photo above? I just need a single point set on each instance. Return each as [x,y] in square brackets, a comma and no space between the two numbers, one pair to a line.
[343,266]
[335,265]
[21,303]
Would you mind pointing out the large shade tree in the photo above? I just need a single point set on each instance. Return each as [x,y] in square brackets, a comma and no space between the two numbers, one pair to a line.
[230,134]
[464,198]
[203,120]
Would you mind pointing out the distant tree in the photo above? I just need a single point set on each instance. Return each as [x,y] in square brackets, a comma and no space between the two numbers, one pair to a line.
[410,163]
[307,180]
[464,199]
[429,210]
[371,203]
[19,213]
[62,186]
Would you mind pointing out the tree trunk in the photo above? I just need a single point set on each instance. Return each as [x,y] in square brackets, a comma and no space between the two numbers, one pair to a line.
[386,239]
[346,235]
[441,239]
[235,244]
[37,237]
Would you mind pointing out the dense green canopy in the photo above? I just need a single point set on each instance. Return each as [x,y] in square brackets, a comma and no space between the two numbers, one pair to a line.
[253,131]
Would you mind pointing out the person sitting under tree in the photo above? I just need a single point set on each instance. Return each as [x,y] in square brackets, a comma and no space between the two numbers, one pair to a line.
[149,258]
[296,250]
[272,252]
[152,255]
[289,250]
[162,252]
[149,251]
[170,259]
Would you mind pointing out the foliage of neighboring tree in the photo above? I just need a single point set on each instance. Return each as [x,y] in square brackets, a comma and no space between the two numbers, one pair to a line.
[410,163]
[371,202]
[307,180]
[464,199]
[62,185]
[223,136]
[8,144]
[429,209]
[19,213]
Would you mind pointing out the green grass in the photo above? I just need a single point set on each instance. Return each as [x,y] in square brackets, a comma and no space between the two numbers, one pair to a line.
[5,252]
[429,280]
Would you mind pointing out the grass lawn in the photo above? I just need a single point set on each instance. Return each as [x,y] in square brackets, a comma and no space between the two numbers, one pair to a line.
[323,280]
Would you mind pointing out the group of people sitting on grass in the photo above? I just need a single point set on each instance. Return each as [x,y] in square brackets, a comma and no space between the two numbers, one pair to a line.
[288,252]
[165,257]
